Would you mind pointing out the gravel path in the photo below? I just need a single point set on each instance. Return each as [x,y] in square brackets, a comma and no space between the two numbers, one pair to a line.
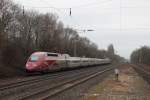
[129,87]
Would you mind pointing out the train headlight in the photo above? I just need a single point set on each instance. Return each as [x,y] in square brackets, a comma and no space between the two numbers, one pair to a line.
[27,65]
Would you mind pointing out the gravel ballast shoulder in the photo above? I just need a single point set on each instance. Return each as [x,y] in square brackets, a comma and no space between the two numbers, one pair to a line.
[131,86]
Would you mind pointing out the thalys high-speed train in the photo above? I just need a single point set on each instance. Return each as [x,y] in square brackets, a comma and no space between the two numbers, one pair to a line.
[47,61]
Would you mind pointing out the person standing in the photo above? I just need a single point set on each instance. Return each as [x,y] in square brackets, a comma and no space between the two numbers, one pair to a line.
[117,74]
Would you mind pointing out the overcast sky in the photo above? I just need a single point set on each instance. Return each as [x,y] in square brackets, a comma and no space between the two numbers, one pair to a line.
[126,26]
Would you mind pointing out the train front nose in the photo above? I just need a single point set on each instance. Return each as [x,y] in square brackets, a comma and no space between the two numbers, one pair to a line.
[31,66]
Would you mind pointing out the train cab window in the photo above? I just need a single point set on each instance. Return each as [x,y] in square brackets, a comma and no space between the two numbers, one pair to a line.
[75,61]
[53,55]
[34,58]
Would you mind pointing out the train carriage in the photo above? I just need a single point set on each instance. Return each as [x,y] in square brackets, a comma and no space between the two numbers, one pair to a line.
[47,61]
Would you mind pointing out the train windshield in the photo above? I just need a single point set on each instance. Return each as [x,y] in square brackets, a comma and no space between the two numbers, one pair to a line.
[34,58]
[52,55]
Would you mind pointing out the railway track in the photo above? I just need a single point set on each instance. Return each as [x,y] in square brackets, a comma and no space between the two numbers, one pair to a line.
[28,84]
[31,80]
[36,78]
[142,71]
[54,91]
[19,86]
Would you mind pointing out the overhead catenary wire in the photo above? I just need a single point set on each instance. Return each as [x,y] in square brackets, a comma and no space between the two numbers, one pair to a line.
[77,6]
[120,16]
[91,4]
[51,6]
[68,8]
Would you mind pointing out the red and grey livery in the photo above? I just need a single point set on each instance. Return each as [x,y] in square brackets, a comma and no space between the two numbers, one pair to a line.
[47,61]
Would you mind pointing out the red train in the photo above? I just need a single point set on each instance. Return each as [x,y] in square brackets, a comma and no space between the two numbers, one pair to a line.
[47,61]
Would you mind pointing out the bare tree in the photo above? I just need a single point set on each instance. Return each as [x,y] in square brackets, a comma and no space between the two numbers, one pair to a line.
[23,32]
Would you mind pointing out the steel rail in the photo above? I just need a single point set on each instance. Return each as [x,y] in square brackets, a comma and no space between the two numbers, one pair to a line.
[141,69]
[52,91]
[32,80]
[78,73]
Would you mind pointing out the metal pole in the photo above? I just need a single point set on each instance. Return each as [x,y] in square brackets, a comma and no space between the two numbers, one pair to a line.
[75,48]
[75,44]
[140,58]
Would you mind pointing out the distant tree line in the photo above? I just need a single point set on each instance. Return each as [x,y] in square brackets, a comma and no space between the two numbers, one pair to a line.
[141,55]
[23,32]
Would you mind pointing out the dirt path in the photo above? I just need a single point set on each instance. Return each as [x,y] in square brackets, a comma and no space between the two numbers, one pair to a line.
[129,87]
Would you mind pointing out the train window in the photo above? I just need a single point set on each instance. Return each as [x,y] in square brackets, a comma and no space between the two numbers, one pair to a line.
[51,54]
[75,61]
[85,61]
[34,58]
